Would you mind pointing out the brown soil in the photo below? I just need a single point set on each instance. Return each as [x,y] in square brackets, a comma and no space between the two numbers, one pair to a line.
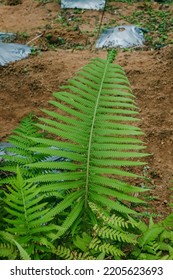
[27,85]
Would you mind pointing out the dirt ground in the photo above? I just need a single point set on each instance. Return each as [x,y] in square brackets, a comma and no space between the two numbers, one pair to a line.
[27,85]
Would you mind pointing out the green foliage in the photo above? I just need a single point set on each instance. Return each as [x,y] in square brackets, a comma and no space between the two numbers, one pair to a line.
[111,234]
[94,124]
[114,237]
[80,207]
[155,242]
[111,55]
[27,219]
[29,215]
[10,248]
[68,254]
[19,153]
[105,239]
[158,24]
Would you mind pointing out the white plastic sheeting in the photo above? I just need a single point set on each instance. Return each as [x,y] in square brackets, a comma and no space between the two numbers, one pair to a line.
[83,4]
[125,36]
[13,52]
[10,52]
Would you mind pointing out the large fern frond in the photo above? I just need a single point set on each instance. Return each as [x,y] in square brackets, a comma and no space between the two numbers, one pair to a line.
[94,124]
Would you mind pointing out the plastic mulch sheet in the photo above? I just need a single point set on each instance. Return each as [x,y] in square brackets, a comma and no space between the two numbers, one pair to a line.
[125,36]
[13,52]
[5,145]
[83,4]
[10,52]
[7,37]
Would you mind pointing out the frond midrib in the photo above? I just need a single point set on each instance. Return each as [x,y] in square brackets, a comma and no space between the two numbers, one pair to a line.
[91,136]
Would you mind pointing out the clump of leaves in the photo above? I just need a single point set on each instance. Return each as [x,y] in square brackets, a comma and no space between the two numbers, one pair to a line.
[158,24]
[17,151]
[85,199]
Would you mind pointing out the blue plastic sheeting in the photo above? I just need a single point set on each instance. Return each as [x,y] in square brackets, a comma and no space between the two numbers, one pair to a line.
[12,52]
[4,151]
[83,4]
[3,147]
[125,36]
[7,37]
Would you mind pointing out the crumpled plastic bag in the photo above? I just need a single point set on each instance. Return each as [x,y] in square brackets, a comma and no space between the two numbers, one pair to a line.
[83,4]
[125,36]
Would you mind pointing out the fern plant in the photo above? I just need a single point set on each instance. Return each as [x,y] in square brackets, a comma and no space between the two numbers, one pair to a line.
[155,241]
[84,212]
[111,234]
[10,248]
[114,237]
[94,128]
[26,221]
[106,239]
[18,152]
